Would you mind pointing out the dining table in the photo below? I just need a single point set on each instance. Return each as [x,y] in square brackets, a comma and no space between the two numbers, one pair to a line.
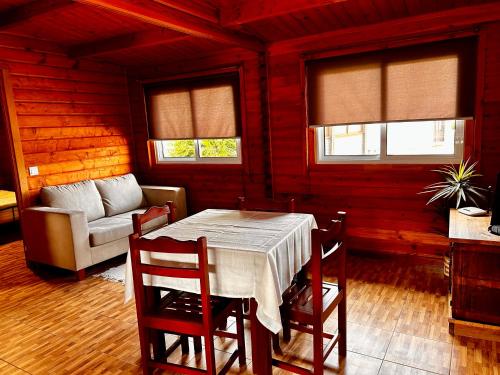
[251,254]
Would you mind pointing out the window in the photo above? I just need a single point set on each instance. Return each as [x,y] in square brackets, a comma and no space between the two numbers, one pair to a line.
[439,141]
[224,151]
[400,105]
[195,120]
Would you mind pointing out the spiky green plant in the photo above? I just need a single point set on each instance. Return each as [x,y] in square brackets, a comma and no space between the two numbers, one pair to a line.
[457,184]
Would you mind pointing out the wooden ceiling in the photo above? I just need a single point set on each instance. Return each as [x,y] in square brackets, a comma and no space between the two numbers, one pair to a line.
[148,32]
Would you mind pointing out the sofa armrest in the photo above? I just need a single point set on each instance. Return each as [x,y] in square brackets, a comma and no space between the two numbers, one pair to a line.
[58,237]
[159,195]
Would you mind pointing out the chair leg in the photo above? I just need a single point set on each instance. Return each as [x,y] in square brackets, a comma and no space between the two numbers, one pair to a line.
[276,344]
[80,274]
[342,328]
[145,351]
[158,341]
[184,344]
[240,331]
[210,355]
[197,344]
[285,322]
[318,348]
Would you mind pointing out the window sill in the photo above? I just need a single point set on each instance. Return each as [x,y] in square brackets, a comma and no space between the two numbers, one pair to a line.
[159,166]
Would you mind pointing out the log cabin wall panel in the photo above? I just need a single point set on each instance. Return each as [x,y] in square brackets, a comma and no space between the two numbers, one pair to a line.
[208,185]
[73,115]
[490,149]
[385,212]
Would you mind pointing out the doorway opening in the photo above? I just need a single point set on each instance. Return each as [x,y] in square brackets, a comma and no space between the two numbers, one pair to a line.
[10,228]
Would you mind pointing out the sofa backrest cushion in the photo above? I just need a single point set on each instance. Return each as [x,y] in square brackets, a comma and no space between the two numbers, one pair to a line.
[82,196]
[120,194]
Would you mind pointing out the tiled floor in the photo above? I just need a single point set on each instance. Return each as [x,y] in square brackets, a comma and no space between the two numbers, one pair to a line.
[397,324]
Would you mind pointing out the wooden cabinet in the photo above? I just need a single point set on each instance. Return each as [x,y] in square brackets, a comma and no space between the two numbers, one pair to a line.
[475,270]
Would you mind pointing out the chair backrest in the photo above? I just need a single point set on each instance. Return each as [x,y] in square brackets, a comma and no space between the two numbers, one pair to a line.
[153,213]
[326,243]
[245,204]
[168,245]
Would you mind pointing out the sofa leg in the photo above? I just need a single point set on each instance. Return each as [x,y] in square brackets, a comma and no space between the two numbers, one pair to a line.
[80,274]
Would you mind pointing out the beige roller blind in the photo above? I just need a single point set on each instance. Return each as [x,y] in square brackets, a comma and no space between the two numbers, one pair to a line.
[207,108]
[422,89]
[424,82]
[214,114]
[169,114]
[345,93]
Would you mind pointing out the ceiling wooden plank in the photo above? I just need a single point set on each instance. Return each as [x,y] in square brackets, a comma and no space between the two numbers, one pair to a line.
[200,10]
[451,21]
[30,10]
[126,41]
[235,13]
[169,18]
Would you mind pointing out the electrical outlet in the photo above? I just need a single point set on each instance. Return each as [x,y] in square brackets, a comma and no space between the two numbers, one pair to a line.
[33,171]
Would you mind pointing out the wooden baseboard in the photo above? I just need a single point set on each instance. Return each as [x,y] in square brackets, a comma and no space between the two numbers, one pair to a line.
[476,330]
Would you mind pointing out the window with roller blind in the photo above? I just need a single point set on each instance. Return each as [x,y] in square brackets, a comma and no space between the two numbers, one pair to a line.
[195,120]
[404,105]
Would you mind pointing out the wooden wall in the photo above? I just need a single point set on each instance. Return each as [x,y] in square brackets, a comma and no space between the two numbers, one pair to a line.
[490,104]
[385,212]
[209,185]
[73,115]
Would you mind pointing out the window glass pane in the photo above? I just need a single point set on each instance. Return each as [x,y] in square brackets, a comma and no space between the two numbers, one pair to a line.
[352,140]
[178,149]
[218,148]
[421,138]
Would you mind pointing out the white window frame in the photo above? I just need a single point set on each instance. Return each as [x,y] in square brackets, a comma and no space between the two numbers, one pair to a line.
[197,159]
[383,158]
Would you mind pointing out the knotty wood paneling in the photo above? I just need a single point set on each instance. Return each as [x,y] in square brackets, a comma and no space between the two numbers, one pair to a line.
[385,212]
[208,185]
[490,149]
[73,115]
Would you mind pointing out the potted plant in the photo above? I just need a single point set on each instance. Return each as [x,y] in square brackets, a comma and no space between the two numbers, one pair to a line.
[455,189]
[457,184]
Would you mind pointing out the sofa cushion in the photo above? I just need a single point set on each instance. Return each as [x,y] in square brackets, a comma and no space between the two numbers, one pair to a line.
[120,194]
[108,229]
[81,196]
[150,225]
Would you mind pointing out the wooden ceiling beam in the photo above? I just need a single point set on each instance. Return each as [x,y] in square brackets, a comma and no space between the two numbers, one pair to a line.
[200,10]
[234,13]
[449,21]
[126,41]
[25,12]
[173,19]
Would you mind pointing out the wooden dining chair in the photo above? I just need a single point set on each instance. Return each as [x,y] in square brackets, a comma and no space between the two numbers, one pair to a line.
[184,314]
[309,302]
[153,217]
[246,204]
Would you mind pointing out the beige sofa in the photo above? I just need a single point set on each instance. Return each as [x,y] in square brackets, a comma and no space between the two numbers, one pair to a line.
[88,222]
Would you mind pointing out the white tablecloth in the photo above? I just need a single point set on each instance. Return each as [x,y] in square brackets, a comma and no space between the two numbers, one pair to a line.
[251,255]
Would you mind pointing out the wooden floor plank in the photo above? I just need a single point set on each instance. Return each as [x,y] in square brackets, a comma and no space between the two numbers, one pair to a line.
[397,311]
[472,356]
[424,354]
[391,368]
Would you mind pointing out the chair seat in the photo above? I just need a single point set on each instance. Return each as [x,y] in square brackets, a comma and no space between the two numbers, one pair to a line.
[300,301]
[181,308]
